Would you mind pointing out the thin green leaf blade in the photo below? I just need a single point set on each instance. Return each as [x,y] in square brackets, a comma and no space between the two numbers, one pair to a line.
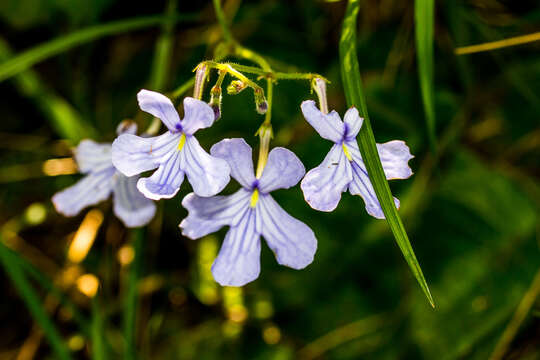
[352,83]
[31,299]
[65,120]
[99,348]
[48,49]
[131,300]
[424,25]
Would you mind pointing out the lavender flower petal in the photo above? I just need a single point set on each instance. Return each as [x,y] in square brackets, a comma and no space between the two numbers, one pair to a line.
[208,214]
[238,155]
[395,156]
[132,154]
[353,122]
[92,157]
[208,175]
[323,185]
[283,170]
[130,205]
[197,115]
[165,181]
[361,185]
[160,106]
[329,126]
[292,241]
[238,262]
[90,190]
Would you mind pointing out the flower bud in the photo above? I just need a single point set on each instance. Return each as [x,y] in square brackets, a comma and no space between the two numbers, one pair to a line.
[126,127]
[200,77]
[236,87]
[215,101]
[260,102]
[319,85]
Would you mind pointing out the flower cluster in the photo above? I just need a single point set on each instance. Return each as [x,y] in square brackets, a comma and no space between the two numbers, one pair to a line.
[251,212]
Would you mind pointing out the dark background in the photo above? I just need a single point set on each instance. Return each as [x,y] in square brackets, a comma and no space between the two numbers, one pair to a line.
[471,213]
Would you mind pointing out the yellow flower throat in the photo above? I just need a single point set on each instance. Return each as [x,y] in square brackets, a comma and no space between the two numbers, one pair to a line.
[346,151]
[182,141]
[254,198]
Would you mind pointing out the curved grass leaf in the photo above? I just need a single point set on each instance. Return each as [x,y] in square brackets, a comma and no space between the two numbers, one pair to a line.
[423,20]
[65,120]
[352,83]
[41,52]
[31,299]
[46,284]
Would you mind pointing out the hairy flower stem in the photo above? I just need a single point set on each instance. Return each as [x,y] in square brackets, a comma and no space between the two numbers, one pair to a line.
[274,75]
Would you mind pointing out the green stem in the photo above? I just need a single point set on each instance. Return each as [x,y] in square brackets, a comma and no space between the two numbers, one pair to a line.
[269,98]
[517,320]
[99,350]
[220,15]
[31,299]
[162,59]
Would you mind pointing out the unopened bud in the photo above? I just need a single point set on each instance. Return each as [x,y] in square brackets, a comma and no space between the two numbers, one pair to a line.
[319,85]
[126,127]
[215,101]
[236,87]
[260,102]
[200,77]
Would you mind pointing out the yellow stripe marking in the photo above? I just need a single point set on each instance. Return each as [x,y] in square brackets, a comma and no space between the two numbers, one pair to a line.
[254,198]
[182,141]
[346,151]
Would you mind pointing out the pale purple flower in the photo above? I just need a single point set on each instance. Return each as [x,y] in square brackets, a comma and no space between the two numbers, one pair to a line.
[102,179]
[343,167]
[250,213]
[174,153]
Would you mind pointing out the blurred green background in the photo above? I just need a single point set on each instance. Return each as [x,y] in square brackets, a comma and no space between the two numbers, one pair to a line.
[471,210]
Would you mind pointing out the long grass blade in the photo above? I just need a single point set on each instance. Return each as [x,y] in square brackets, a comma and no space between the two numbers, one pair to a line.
[47,285]
[41,52]
[99,349]
[131,299]
[424,24]
[31,299]
[64,119]
[352,82]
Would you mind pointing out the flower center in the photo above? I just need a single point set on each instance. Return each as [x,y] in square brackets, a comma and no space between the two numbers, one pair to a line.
[182,141]
[254,198]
